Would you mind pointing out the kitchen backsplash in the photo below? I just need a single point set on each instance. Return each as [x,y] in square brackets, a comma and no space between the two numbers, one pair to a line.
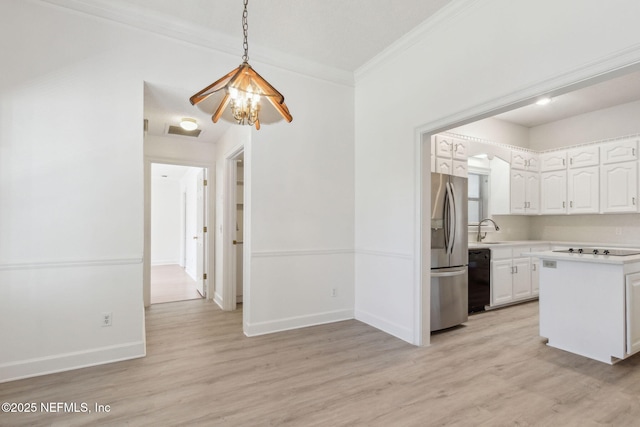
[623,229]
[512,227]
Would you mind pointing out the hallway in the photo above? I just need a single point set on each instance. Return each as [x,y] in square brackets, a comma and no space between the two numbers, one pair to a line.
[171,283]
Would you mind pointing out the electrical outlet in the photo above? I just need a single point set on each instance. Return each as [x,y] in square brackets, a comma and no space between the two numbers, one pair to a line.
[334,292]
[106,319]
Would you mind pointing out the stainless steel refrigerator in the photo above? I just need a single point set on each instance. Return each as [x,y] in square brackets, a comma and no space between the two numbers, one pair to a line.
[449,251]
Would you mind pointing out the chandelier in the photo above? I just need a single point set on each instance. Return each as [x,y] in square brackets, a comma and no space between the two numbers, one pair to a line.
[243,96]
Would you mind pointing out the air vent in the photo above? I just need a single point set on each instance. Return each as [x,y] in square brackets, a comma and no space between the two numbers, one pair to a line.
[177,130]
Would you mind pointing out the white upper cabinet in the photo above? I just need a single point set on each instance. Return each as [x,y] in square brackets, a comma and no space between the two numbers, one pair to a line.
[444,146]
[450,155]
[460,148]
[584,156]
[555,160]
[619,187]
[553,192]
[460,168]
[583,190]
[620,151]
[524,161]
[525,192]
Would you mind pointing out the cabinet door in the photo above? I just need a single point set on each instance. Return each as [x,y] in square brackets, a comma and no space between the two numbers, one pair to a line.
[460,168]
[583,185]
[620,151]
[633,312]
[535,276]
[532,193]
[518,191]
[521,278]
[584,156]
[444,146]
[460,147]
[533,163]
[444,165]
[553,192]
[619,187]
[501,279]
[555,160]
[518,160]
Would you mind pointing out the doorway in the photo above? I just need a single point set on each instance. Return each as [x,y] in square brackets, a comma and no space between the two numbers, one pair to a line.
[178,227]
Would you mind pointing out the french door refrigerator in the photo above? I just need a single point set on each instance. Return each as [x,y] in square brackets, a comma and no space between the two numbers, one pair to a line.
[449,251]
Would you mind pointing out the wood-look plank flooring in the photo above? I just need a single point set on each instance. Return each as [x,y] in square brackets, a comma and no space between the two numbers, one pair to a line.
[171,283]
[201,370]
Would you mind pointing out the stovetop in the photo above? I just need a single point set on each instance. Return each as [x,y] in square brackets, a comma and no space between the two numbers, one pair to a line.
[600,251]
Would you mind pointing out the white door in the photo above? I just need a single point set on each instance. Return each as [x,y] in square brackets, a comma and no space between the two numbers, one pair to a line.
[521,278]
[532,192]
[501,282]
[518,191]
[583,188]
[633,312]
[200,234]
[553,192]
[619,187]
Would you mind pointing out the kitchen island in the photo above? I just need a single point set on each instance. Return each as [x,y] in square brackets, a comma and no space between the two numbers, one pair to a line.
[590,303]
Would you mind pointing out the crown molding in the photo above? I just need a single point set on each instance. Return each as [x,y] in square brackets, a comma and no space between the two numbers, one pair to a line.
[441,17]
[178,29]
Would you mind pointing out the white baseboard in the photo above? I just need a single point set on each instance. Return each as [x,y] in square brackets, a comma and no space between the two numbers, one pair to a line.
[165,262]
[398,331]
[69,361]
[262,328]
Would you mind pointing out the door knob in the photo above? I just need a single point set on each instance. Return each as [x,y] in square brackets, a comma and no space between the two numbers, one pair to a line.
[195,237]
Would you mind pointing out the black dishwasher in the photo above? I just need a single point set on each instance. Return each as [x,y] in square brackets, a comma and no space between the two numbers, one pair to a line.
[479,279]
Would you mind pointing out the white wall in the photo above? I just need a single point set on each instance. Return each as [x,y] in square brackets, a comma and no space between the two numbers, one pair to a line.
[607,123]
[484,57]
[71,185]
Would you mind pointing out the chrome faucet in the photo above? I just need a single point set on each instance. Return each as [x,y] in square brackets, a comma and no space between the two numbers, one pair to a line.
[480,237]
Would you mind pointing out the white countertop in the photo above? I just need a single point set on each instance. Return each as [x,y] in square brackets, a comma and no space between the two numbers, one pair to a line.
[596,259]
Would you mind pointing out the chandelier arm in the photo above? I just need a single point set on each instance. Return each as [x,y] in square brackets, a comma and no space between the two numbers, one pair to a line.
[265,86]
[281,107]
[221,108]
[213,87]
[257,123]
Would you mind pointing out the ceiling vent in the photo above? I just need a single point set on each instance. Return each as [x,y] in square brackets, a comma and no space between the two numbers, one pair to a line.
[177,130]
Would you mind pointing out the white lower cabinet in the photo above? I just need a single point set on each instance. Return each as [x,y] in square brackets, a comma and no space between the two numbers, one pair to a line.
[633,312]
[514,277]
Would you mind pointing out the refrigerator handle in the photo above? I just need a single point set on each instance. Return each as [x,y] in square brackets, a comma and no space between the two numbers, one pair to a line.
[446,215]
[449,273]
[453,218]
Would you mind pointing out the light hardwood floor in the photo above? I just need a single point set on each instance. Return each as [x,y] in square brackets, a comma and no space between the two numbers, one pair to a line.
[171,283]
[201,370]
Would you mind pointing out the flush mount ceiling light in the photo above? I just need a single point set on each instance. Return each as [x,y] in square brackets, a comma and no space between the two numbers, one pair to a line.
[250,99]
[188,123]
[543,101]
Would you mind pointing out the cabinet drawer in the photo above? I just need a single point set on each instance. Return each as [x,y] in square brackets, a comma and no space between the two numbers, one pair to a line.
[619,151]
[501,253]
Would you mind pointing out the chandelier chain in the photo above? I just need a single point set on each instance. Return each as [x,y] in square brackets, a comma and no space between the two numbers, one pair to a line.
[245,30]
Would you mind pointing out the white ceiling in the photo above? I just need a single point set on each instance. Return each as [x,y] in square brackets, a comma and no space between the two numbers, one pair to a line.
[340,34]
[615,91]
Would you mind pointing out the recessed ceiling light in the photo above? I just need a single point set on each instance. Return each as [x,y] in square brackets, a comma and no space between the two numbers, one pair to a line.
[543,101]
[188,124]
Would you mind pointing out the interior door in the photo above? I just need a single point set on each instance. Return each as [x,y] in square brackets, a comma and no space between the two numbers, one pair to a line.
[200,234]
